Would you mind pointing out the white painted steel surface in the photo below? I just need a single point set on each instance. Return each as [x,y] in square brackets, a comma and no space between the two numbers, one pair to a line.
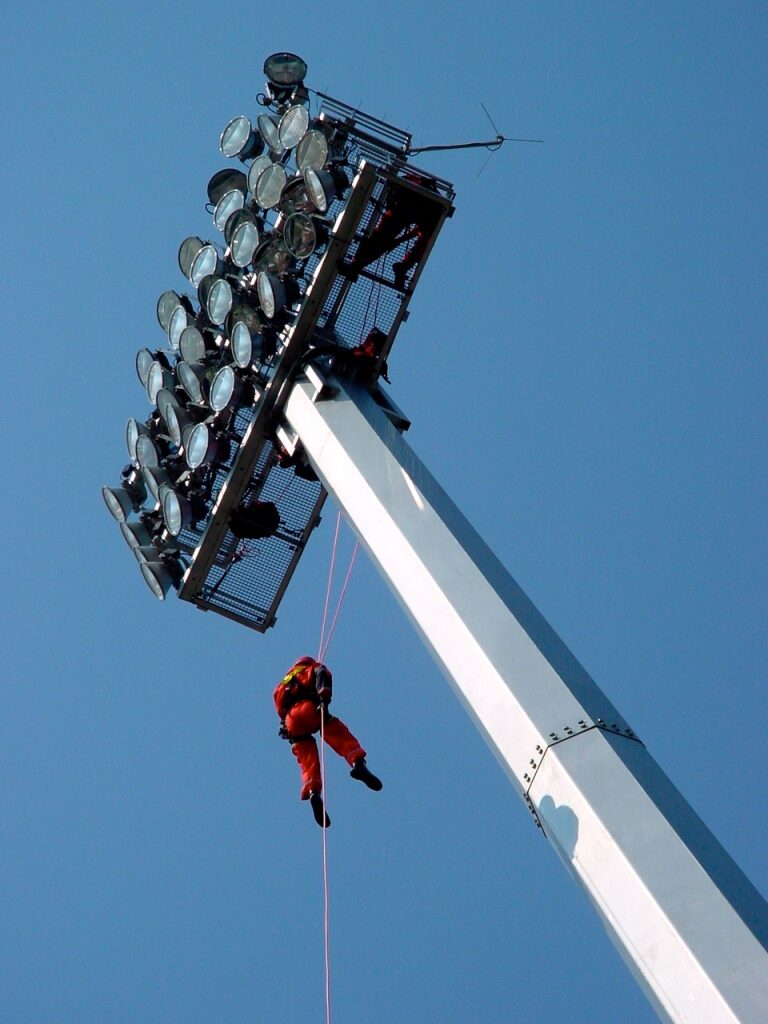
[688,922]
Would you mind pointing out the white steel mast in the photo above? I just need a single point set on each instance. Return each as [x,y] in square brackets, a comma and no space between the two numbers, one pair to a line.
[690,925]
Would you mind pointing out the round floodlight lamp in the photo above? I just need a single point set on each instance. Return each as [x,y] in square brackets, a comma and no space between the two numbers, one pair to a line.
[177,421]
[146,452]
[177,511]
[159,376]
[225,181]
[239,139]
[192,377]
[300,235]
[292,126]
[272,295]
[215,294]
[242,345]
[144,359]
[225,389]
[321,188]
[133,431]
[122,501]
[188,249]
[312,150]
[166,304]
[270,185]
[243,243]
[200,446]
[192,346]
[229,203]
[285,69]
[205,263]
[158,578]
[259,164]
[180,319]
[269,132]
[135,534]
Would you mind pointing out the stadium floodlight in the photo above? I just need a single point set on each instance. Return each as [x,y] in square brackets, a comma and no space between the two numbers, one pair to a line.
[272,294]
[205,263]
[226,388]
[302,235]
[269,132]
[159,376]
[312,150]
[229,203]
[166,304]
[179,510]
[259,164]
[188,249]
[204,447]
[270,185]
[321,188]
[160,576]
[292,126]
[240,140]
[215,294]
[242,236]
[193,377]
[244,351]
[122,501]
[146,452]
[194,345]
[144,360]
[224,181]
[272,255]
[285,69]
[133,431]
[181,318]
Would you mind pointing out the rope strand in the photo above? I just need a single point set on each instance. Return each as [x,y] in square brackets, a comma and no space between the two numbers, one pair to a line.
[325,875]
[321,648]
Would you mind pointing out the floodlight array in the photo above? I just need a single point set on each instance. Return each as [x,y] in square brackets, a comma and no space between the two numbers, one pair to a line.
[224,340]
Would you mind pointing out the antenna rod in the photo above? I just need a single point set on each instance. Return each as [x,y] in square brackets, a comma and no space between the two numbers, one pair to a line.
[492,145]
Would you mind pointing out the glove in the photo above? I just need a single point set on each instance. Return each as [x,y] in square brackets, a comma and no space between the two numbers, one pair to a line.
[324,697]
[283,733]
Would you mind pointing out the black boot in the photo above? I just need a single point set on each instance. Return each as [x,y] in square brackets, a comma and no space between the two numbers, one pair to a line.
[316,803]
[361,771]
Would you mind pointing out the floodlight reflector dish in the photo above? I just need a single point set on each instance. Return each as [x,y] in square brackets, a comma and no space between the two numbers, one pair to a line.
[225,388]
[177,511]
[133,431]
[321,188]
[205,263]
[215,294]
[166,304]
[229,203]
[177,421]
[271,291]
[242,345]
[285,69]
[199,446]
[292,126]
[259,164]
[243,244]
[312,150]
[146,452]
[157,577]
[180,320]
[144,359]
[192,378]
[192,345]
[239,139]
[159,376]
[188,249]
[224,181]
[270,186]
[122,501]
[300,235]
[269,132]
[272,255]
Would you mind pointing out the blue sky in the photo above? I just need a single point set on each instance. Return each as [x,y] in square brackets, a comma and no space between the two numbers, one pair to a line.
[585,369]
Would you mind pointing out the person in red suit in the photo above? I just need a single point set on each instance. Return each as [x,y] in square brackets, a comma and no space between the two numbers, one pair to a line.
[301,697]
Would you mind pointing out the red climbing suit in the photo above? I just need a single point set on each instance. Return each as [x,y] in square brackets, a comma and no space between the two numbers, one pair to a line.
[298,698]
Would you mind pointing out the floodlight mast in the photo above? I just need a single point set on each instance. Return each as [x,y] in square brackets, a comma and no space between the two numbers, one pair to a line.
[689,924]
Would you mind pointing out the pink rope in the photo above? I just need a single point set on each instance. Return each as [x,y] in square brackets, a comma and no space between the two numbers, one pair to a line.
[320,649]
[325,875]
[341,601]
